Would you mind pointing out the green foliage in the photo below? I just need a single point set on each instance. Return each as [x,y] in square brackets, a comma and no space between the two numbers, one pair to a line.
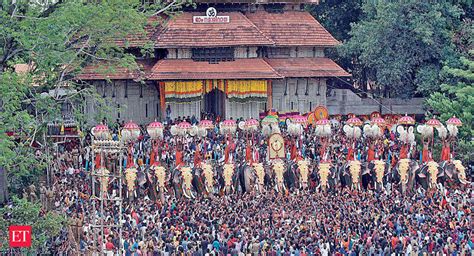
[57,41]
[456,98]
[44,225]
[402,45]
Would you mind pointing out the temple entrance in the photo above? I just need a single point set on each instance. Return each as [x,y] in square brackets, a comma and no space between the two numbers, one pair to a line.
[214,103]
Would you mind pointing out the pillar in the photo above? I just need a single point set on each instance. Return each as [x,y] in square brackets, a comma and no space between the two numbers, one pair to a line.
[161,86]
[269,95]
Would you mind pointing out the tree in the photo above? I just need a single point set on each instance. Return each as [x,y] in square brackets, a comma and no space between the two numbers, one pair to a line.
[54,41]
[402,45]
[456,98]
[22,212]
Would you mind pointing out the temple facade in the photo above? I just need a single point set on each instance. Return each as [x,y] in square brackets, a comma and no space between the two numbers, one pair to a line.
[229,59]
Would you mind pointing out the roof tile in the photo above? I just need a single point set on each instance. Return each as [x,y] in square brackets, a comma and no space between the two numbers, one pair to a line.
[292,28]
[307,67]
[186,69]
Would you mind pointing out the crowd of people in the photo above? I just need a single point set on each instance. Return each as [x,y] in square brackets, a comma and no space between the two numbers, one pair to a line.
[302,222]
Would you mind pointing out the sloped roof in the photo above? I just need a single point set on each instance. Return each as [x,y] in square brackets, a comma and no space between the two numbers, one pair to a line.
[181,32]
[292,28]
[104,70]
[187,69]
[307,67]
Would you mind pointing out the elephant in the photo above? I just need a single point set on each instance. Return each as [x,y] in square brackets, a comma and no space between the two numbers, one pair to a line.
[260,176]
[303,173]
[290,177]
[208,178]
[247,178]
[367,176]
[344,175]
[454,171]
[428,174]
[279,172]
[160,174]
[404,174]
[197,182]
[182,182]
[350,174]
[228,175]
[324,174]
[378,172]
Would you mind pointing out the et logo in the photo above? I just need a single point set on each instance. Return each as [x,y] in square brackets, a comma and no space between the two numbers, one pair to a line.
[20,236]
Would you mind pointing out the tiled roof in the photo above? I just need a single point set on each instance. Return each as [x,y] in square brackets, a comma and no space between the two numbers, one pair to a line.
[104,70]
[307,67]
[292,28]
[140,39]
[180,31]
[187,69]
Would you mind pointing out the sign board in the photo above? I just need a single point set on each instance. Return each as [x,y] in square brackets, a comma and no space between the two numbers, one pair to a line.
[211,17]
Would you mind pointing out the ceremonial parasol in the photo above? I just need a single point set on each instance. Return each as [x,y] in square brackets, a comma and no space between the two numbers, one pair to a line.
[454,121]
[130,131]
[354,121]
[270,120]
[251,124]
[406,120]
[298,119]
[323,122]
[206,124]
[101,132]
[184,126]
[378,121]
[433,122]
[155,130]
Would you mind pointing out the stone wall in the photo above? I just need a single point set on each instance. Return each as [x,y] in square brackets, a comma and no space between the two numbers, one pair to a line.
[344,101]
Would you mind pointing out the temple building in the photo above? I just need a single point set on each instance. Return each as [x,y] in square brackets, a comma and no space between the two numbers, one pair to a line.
[234,60]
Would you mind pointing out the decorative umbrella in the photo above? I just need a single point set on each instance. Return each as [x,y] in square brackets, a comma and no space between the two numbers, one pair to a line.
[184,126]
[270,120]
[155,130]
[206,124]
[454,121]
[323,122]
[229,123]
[130,131]
[228,126]
[101,132]
[406,120]
[251,124]
[354,121]
[378,121]
[433,122]
[298,119]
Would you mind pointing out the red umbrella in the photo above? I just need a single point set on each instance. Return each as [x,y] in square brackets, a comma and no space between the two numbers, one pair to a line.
[377,120]
[433,122]
[154,129]
[323,122]
[407,120]
[454,121]
[354,121]
[206,124]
